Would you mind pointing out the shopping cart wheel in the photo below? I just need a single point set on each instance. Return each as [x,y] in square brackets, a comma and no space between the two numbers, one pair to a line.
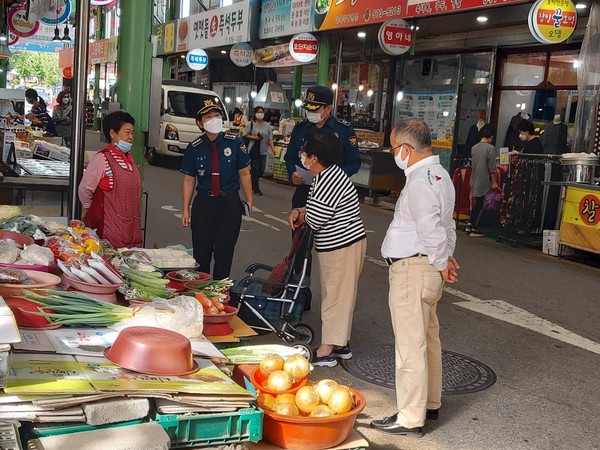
[304,350]
[303,333]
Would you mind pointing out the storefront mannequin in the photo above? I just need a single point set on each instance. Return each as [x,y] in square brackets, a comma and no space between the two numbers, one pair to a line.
[555,136]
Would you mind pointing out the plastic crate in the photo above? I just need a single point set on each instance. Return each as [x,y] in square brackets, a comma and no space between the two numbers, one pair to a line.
[189,430]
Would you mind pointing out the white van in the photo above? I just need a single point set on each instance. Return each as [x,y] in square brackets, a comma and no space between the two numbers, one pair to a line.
[180,100]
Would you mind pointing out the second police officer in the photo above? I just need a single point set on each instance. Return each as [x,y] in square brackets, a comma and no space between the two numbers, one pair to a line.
[216,164]
[319,106]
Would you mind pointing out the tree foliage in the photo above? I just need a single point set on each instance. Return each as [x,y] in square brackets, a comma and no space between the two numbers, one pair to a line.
[42,65]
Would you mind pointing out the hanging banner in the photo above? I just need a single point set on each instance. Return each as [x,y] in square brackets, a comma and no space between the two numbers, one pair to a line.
[19,25]
[285,17]
[241,54]
[395,37]
[552,21]
[165,38]
[418,8]
[219,27]
[275,56]
[57,15]
[304,47]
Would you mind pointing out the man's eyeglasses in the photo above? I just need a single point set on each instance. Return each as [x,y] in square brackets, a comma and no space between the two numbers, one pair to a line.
[404,143]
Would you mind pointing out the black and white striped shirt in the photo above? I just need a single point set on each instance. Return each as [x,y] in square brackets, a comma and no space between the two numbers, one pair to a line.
[333,211]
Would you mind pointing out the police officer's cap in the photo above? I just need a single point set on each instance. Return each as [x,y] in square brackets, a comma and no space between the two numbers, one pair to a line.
[317,96]
[209,105]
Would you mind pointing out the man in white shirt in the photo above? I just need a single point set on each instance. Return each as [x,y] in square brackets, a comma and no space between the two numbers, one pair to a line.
[418,249]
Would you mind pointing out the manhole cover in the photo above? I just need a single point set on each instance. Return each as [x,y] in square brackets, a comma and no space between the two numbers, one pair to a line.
[460,374]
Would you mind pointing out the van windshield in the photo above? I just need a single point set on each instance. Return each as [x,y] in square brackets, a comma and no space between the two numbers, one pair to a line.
[186,104]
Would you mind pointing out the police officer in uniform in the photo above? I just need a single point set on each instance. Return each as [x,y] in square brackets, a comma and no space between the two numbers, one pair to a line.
[319,106]
[216,165]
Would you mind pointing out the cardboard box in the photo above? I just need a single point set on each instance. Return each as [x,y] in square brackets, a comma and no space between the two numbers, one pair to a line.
[551,242]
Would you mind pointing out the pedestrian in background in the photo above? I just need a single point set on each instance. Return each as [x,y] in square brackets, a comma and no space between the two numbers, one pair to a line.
[38,115]
[333,212]
[216,165]
[418,248]
[483,177]
[260,135]
[531,143]
[111,187]
[61,114]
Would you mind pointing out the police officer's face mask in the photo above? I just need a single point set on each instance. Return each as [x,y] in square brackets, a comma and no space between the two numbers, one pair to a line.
[313,117]
[214,125]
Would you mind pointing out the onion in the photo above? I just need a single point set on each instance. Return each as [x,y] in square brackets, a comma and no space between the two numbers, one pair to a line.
[285,398]
[325,387]
[266,401]
[321,411]
[340,400]
[297,366]
[307,399]
[279,381]
[286,409]
[270,364]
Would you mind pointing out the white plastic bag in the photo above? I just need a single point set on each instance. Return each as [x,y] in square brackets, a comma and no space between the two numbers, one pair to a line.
[182,314]
[35,254]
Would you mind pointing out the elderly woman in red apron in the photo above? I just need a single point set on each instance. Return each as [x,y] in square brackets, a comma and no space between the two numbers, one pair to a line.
[111,187]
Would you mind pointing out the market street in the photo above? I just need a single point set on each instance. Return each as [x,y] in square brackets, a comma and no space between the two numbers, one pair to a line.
[530,318]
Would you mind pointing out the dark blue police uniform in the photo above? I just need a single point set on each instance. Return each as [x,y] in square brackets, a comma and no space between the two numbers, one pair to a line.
[350,162]
[216,220]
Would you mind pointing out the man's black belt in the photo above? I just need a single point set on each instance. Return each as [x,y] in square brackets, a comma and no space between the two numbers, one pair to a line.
[207,193]
[390,261]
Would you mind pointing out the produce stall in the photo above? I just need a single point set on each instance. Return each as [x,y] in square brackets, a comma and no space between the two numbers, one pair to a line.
[116,349]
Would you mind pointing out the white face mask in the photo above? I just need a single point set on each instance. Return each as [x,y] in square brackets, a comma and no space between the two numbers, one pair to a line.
[259,116]
[214,125]
[303,161]
[402,163]
[523,137]
[66,101]
[313,117]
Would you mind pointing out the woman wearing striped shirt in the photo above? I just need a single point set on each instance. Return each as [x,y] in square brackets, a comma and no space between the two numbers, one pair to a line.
[333,212]
[111,188]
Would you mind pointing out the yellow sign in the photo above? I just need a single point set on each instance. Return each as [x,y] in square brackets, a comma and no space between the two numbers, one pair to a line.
[582,207]
[552,21]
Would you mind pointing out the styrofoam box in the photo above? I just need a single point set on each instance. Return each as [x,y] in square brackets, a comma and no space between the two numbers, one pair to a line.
[551,242]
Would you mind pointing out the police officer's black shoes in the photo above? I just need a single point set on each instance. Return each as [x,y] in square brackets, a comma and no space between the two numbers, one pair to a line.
[391,426]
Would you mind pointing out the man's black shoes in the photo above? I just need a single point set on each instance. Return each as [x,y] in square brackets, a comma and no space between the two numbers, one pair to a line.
[391,426]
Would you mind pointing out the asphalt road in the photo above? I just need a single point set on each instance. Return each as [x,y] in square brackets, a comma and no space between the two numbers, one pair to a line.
[533,319]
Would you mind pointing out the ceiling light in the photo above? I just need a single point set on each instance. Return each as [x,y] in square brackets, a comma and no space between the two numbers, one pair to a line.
[482,19]
[361,34]
[253,94]
[224,51]
[227,100]
[298,103]
[369,92]
[361,87]
[66,37]
[57,35]
[580,6]
[414,27]
[399,96]
[238,99]
[334,86]
[182,56]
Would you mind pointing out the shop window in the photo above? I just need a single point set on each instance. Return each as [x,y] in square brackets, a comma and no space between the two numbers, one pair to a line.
[422,71]
[562,68]
[477,68]
[524,69]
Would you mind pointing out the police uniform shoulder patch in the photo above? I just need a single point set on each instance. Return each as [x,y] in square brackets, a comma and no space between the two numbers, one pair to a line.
[230,136]
[353,140]
[197,142]
[343,122]
[244,148]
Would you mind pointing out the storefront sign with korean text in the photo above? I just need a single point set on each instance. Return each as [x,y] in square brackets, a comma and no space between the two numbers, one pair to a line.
[304,47]
[197,59]
[333,14]
[417,8]
[552,21]
[218,27]
[57,15]
[395,37]
[182,35]
[285,17]
[241,54]
[165,38]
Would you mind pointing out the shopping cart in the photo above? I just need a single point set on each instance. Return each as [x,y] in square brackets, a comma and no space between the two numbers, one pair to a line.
[269,305]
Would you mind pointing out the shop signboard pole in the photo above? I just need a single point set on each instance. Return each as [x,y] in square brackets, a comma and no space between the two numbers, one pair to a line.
[323,60]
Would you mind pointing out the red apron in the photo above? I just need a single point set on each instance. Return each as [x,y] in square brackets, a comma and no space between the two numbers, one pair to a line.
[116,214]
